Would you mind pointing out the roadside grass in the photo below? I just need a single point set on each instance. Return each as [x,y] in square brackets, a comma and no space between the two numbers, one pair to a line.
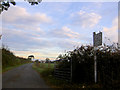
[10,61]
[46,72]
[11,67]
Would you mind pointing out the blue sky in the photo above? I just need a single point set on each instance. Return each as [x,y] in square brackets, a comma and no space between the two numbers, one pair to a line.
[50,28]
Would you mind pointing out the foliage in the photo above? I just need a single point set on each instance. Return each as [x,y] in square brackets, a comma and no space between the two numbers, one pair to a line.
[9,59]
[82,59]
[30,57]
[5,4]
[47,60]
[48,75]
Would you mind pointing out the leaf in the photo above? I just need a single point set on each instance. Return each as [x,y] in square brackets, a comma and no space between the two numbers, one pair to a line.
[5,8]
[36,2]
[6,4]
[14,3]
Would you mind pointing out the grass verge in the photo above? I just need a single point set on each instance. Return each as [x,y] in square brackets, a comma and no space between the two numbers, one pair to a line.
[11,67]
[47,74]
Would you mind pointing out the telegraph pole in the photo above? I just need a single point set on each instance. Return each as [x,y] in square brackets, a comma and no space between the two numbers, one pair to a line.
[97,41]
[95,65]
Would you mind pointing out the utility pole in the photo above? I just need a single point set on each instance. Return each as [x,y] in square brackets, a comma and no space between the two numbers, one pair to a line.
[97,41]
[95,65]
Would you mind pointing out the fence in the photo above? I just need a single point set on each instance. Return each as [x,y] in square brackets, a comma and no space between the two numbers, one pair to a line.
[108,70]
[64,74]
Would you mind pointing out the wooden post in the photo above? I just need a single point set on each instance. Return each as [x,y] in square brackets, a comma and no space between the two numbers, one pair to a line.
[95,65]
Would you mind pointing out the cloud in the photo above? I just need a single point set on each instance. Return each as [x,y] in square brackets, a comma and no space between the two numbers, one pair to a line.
[112,32]
[21,16]
[8,33]
[38,54]
[64,32]
[24,40]
[24,43]
[85,19]
[33,30]
[67,44]
[21,40]
[25,54]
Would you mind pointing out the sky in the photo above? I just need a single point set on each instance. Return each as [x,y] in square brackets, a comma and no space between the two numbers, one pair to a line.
[52,28]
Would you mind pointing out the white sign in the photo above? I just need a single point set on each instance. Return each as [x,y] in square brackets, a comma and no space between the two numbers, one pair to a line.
[97,39]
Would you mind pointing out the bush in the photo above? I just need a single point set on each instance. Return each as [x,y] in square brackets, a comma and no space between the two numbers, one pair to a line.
[83,65]
[9,59]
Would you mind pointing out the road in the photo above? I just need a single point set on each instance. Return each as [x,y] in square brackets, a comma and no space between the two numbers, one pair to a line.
[23,77]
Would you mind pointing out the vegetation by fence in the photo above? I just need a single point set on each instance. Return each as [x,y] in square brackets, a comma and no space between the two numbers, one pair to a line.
[108,67]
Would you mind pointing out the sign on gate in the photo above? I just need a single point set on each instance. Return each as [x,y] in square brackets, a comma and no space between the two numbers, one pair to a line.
[97,39]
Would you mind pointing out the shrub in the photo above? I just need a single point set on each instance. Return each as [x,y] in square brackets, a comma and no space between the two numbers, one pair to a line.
[9,59]
[82,59]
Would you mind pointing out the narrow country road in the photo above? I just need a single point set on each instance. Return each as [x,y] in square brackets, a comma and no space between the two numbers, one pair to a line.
[23,77]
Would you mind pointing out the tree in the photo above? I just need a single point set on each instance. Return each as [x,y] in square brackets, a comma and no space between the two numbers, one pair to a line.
[47,60]
[59,57]
[5,4]
[30,57]
[108,59]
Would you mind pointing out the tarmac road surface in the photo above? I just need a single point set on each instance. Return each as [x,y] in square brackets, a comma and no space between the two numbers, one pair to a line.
[22,77]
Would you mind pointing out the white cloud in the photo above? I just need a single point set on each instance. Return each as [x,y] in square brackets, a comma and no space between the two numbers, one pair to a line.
[20,15]
[13,32]
[42,55]
[14,13]
[112,32]
[23,43]
[64,32]
[67,44]
[25,54]
[36,30]
[85,19]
